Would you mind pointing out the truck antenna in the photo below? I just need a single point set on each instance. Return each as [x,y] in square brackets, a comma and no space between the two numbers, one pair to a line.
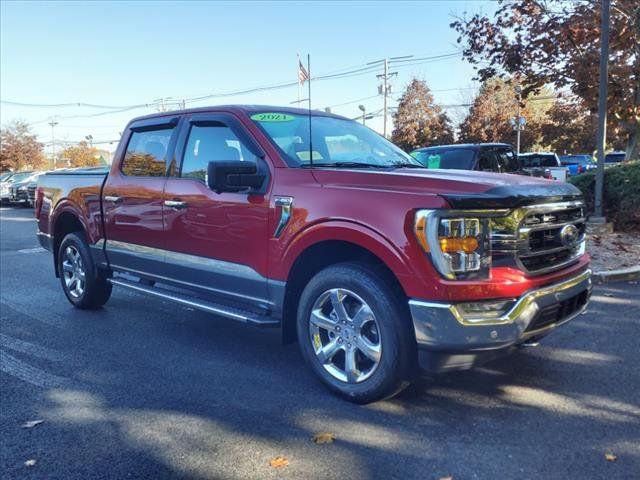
[309,103]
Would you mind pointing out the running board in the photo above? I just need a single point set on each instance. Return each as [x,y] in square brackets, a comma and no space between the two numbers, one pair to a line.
[237,314]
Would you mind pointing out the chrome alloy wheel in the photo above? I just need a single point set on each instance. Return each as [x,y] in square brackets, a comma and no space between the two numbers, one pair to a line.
[345,335]
[73,271]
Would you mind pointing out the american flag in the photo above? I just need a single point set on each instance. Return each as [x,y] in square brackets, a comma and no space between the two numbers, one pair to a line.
[303,75]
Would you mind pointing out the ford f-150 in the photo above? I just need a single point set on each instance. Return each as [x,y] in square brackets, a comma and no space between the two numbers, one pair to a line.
[315,224]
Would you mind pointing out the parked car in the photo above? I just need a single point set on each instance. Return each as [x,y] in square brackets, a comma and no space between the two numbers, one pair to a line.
[19,190]
[577,164]
[5,186]
[375,264]
[486,157]
[549,162]
[614,157]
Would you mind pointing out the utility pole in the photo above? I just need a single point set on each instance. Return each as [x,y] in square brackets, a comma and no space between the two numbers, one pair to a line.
[386,92]
[518,121]
[53,124]
[602,110]
[385,88]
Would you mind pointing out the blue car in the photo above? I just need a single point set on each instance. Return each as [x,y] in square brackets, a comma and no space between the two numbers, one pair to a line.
[578,164]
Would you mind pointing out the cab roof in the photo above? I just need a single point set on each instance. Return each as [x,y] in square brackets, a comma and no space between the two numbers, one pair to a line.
[246,109]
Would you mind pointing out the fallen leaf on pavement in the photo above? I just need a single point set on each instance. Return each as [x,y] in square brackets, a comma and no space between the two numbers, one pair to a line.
[324,437]
[32,423]
[608,294]
[610,457]
[448,477]
[278,462]
[30,463]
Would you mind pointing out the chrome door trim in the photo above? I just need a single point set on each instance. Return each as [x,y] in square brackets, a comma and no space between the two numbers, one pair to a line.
[229,271]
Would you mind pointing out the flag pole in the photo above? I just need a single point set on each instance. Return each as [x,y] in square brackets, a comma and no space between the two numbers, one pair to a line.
[298,78]
[309,99]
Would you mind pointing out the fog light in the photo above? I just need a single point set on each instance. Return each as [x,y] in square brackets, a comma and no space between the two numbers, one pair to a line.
[482,311]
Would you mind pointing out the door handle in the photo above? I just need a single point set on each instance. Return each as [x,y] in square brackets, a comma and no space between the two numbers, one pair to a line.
[177,204]
[112,198]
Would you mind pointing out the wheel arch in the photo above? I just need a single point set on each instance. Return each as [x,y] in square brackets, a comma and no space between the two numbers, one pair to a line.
[334,244]
[66,221]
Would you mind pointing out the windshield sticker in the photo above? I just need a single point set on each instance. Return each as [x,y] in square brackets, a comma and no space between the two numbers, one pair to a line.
[272,117]
[433,161]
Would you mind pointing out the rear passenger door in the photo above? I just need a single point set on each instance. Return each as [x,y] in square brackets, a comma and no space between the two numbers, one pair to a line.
[216,242]
[133,198]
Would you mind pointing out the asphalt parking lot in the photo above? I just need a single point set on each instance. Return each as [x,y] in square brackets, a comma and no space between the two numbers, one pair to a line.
[148,389]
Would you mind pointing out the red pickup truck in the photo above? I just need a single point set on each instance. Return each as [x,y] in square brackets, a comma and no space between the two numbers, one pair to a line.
[376,265]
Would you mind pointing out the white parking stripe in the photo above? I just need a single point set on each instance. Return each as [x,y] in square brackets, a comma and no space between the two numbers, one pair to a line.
[29,348]
[19,369]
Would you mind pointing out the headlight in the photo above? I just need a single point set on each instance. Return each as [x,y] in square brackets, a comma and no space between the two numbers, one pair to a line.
[457,244]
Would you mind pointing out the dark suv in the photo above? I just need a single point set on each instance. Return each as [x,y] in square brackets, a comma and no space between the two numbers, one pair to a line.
[486,157]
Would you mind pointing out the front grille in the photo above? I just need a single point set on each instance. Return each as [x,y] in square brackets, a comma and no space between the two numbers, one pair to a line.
[545,241]
[558,311]
[31,193]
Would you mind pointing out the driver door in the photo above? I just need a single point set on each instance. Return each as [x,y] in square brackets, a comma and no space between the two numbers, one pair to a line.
[216,243]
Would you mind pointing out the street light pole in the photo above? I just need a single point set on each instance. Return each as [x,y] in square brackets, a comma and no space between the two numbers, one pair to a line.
[602,109]
[362,109]
[53,124]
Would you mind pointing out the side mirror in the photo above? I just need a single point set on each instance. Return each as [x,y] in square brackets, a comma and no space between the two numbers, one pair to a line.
[233,176]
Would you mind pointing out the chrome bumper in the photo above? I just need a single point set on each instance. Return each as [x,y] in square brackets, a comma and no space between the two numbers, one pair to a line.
[443,327]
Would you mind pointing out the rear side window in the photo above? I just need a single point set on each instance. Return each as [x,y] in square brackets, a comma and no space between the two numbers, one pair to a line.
[146,152]
[211,143]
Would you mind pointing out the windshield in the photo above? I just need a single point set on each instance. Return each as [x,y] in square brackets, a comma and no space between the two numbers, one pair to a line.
[5,176]
[18,177]
[336,142]
[532,161]
[448,158]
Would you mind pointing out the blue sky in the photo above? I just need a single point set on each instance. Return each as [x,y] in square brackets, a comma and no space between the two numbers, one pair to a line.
[127,53]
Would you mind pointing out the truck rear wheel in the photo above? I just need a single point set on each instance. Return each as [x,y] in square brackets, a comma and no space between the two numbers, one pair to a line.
[354,333]
[83,283]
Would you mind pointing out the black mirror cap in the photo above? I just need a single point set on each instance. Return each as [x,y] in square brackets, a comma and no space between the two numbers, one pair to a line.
[233,176]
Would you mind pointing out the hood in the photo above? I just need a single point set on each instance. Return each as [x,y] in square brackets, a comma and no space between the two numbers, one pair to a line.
[461,188]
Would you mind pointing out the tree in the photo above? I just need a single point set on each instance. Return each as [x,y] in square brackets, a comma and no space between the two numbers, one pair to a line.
[82,155]
[20,149]
[489,118]
[419,122]
[570,128]
[555,42]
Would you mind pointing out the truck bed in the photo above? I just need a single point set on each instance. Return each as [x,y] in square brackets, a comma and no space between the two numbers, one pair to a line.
[77,189]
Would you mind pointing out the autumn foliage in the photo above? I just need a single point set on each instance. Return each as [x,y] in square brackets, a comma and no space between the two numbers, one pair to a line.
[419,122]
[557,43]
[20,149]
[81,155]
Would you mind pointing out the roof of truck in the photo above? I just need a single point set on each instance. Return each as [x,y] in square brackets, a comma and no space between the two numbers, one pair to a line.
[247,109]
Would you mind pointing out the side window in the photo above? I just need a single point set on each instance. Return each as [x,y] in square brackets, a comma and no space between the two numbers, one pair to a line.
[211,143]
[146,153]
[486,161]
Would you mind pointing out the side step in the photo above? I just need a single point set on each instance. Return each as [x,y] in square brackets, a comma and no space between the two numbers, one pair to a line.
[243,316]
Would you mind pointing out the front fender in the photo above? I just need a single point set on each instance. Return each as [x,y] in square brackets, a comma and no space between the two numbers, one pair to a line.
[340,230]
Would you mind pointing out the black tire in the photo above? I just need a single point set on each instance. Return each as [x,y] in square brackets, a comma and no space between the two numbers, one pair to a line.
[96,289]
[398,347]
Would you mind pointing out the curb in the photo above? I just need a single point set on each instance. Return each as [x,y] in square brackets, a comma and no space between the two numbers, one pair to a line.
[621,275]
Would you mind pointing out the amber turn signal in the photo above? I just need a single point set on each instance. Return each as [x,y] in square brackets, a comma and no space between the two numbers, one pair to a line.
[421,232]
[458,244]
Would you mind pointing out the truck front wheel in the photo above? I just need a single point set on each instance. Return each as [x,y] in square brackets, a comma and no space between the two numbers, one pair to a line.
[354,333]
[83,283]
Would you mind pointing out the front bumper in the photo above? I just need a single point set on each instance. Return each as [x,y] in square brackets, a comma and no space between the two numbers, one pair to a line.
[447,340]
